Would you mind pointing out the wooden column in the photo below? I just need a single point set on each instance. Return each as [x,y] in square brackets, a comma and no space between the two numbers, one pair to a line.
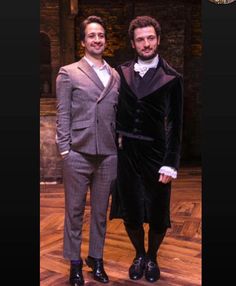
[68,12]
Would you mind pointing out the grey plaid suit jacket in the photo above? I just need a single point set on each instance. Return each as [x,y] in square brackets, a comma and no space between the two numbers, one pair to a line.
[86,110]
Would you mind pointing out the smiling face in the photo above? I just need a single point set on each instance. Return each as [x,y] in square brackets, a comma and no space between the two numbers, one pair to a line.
[145,42]
[94,41]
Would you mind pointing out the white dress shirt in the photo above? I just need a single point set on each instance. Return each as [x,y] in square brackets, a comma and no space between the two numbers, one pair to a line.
[103,72]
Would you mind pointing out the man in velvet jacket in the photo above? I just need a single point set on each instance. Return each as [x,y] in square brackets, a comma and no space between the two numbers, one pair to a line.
[149,127]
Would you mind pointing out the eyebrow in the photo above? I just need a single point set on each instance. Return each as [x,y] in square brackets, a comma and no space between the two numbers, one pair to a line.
[142,37]
[99,33]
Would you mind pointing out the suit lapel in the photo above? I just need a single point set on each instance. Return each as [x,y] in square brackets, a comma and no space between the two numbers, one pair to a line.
[160,79]
[88,70]
[109,85]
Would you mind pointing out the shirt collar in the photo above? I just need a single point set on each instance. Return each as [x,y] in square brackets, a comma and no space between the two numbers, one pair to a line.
[105,65]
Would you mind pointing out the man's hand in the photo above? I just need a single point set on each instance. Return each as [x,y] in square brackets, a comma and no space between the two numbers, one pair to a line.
[165,179]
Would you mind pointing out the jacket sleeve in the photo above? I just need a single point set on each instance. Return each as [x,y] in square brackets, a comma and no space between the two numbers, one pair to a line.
[174,125]
[64,94]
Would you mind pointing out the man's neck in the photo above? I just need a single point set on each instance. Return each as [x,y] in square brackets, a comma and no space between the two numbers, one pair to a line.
[149,61]
[98,61]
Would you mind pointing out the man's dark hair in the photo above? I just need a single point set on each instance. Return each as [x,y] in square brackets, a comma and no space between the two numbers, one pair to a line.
[141,22]
[89,20]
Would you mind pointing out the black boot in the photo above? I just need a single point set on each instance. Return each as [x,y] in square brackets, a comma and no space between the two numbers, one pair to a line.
[136,236]
[99,273]
[152,271]
[76,275]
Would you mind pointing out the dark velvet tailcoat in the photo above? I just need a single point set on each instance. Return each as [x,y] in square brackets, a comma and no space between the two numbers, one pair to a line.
[149,118]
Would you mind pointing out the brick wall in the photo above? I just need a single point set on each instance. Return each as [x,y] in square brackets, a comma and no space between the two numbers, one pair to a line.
[50,25]
[118,15]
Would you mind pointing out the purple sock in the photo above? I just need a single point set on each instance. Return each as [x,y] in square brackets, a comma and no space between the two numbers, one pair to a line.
[76,262]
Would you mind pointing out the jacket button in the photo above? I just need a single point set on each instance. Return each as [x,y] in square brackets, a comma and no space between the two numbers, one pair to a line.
[135,130]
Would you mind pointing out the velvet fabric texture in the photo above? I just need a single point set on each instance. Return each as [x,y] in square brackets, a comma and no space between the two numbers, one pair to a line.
[137,196]
[152,109]
[149,120]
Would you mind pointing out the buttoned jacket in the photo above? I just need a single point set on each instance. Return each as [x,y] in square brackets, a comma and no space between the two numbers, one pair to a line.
[86,110]
[153,113]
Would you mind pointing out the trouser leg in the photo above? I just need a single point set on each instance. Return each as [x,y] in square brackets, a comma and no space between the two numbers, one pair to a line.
[104,174]
[76,173]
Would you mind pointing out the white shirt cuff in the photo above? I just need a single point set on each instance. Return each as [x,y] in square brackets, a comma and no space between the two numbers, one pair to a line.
[64,152]
[168,171]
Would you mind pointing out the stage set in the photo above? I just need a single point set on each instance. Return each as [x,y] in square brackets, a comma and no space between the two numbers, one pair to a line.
[179,256]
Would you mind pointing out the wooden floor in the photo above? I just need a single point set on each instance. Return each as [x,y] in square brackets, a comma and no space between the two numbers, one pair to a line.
[179,256]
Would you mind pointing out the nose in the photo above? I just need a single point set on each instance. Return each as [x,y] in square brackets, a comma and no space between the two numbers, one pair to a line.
[97,39]
[146,42]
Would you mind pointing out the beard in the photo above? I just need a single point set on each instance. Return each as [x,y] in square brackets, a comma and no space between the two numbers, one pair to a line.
[144,57]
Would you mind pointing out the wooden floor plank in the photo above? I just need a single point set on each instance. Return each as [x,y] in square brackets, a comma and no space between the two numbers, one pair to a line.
[179,256]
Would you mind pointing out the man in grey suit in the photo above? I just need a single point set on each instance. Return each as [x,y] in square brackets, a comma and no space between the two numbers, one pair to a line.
[87,94]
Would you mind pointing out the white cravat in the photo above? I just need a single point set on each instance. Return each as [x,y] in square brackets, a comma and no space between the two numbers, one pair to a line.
[103,72]
[143,66]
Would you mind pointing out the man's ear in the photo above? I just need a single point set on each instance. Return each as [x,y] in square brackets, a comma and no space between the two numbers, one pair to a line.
[82,44]
[158,40]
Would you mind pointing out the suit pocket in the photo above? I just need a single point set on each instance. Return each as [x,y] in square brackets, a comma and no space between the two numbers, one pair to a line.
[76,125]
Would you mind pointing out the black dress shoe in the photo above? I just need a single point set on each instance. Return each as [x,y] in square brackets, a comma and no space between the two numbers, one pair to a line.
[99,273]
[76,275]
[137,268]
[152,271]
